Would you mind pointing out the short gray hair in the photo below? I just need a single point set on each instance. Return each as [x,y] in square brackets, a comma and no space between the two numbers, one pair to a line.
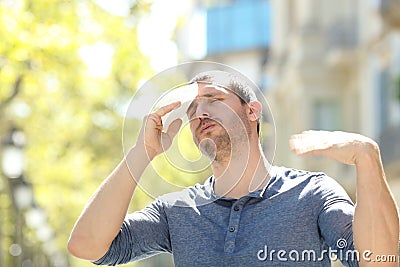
[232,82]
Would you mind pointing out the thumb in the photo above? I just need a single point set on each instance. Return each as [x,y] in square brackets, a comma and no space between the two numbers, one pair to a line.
[173,128]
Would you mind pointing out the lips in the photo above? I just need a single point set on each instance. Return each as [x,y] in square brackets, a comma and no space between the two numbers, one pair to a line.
[206,125]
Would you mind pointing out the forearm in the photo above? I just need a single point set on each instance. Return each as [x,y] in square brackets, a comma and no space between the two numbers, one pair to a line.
[376,221]
[103,215]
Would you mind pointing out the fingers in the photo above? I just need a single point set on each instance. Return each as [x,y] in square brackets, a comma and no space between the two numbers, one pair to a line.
[309,142]
[297,145]
[174,128]
[158,114]
[166,109]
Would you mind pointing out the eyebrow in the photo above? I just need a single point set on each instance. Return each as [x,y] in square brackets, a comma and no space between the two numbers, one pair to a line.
[206,95]
[210,94]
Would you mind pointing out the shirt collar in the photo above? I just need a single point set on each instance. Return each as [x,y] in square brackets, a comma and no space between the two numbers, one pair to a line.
[209,186]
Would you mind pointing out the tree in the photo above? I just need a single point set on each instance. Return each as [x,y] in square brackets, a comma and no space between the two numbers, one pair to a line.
[66,70]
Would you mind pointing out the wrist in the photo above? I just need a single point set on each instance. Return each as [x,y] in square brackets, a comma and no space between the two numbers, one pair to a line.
[367,152]
[144,150]
[136,161]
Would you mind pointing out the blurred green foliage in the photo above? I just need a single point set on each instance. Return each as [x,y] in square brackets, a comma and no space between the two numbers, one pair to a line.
[72,118]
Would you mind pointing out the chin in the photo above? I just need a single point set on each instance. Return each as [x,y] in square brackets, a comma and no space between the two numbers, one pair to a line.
[208,148]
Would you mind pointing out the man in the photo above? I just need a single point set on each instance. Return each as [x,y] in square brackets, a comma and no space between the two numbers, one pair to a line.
[248,213]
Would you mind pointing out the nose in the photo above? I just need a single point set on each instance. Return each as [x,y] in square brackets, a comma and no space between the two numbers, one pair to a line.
[202,111]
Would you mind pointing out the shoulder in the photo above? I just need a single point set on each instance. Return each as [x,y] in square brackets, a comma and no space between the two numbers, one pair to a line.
[193,196]
[286,179]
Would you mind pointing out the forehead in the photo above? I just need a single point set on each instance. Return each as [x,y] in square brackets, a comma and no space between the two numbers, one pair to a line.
[208,89]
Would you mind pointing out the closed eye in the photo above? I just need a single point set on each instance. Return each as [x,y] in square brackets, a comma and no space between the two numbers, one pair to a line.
[190,112]
[191,109]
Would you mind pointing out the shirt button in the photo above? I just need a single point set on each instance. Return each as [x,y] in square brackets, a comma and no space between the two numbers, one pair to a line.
[236,208]
[231,229]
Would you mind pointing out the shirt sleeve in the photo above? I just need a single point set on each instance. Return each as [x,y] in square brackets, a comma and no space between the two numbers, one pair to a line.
[335,219]
[143,234]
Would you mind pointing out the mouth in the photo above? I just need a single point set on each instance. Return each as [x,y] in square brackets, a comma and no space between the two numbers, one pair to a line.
[206,127]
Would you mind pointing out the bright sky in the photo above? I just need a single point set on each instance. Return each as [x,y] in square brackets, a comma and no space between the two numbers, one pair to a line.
[156,29]
[155,32]
[98,58]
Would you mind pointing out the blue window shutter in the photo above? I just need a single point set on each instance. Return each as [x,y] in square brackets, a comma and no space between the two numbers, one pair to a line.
[241,26]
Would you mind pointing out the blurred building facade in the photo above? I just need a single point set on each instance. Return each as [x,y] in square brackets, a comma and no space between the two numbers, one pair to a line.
[336,66]
[328,65]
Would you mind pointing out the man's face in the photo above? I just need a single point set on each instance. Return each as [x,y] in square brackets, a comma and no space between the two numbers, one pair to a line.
[217,118]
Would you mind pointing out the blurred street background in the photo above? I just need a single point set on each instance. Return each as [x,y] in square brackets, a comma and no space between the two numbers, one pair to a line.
[68,70]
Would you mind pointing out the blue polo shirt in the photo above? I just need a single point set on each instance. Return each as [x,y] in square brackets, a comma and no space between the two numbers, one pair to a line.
[299,219]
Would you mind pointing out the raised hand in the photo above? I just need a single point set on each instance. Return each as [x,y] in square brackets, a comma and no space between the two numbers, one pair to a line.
[341,146]
[152,136]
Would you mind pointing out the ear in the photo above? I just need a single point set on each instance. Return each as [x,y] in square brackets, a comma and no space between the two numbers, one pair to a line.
[255,109]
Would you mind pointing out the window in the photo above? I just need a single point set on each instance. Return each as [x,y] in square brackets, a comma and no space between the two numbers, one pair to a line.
[242,25]
[327,115]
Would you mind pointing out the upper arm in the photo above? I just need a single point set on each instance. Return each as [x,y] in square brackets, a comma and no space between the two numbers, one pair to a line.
[143,233]
[335,219]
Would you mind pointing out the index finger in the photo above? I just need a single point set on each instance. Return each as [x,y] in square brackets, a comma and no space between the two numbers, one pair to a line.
[168,108]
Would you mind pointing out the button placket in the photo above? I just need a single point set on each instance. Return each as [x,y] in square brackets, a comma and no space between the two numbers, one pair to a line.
[233,226]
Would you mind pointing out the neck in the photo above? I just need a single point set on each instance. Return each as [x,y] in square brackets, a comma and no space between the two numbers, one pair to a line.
[244,172]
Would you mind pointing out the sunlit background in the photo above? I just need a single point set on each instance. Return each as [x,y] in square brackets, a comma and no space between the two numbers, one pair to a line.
[68,70]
